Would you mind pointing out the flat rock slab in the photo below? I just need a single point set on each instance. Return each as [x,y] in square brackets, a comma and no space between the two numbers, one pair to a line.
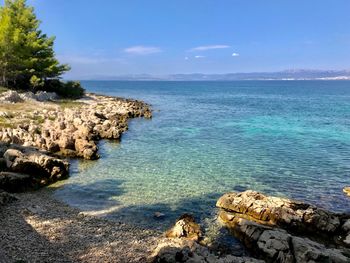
[281,212]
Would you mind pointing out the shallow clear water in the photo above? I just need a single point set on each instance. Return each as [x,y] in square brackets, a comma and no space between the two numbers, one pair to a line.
[284,138]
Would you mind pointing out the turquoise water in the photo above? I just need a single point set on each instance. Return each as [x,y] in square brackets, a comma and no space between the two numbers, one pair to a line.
[284,138]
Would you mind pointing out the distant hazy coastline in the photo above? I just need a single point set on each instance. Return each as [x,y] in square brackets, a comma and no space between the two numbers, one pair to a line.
[279,75]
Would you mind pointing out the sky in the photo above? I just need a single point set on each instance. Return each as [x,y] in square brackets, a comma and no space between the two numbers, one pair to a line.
[159,37]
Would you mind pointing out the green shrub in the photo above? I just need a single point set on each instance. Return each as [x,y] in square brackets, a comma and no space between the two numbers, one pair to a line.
[69,89]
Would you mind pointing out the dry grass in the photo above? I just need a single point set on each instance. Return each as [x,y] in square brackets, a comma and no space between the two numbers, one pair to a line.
[19,113]
[69,104]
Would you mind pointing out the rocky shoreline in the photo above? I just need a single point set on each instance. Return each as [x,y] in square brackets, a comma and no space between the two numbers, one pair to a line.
[34,142]
[38,228]
[72,131]
[273,229]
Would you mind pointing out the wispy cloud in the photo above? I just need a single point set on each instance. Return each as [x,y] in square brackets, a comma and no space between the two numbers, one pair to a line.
[204,48]
[142,50]
[235,54]
[199,56]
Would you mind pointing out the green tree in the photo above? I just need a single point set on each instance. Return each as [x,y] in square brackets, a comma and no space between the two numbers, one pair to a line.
[27,56]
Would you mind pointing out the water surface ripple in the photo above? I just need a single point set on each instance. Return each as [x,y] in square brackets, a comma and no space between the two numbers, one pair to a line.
[284,138]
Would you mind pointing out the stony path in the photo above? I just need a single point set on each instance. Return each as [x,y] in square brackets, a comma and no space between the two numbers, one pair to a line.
[38,228]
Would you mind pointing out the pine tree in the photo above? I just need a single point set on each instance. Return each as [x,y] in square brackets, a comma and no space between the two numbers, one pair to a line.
[27,57]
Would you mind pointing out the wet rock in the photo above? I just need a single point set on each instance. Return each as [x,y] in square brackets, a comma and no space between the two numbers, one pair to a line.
[158,215]
[185,227]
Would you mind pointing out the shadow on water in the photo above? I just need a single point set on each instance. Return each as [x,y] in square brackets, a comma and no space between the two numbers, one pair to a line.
[90,196]
[102,203]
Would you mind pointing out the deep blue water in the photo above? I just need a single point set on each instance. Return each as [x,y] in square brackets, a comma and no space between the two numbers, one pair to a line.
[284,138]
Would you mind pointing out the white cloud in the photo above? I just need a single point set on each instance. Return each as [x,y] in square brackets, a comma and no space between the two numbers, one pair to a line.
[199,56]
[235,55]
[142,50]
[204,48]
[186,58]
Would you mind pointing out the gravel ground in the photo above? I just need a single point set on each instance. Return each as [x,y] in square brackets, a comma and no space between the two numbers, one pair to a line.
[39,228]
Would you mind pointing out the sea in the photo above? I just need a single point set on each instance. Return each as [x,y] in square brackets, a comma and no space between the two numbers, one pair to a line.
[283,138]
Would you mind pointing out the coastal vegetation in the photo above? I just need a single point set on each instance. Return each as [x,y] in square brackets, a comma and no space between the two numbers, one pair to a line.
[27,56]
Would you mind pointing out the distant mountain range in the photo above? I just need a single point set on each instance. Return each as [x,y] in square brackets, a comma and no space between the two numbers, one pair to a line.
[299,74]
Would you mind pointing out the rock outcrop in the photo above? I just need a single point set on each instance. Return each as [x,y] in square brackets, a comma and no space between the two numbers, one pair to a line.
[188,251]
[12,96]
[296,216]
[183,245]
[282,230]
[74,131]
[185,227]
[25,168]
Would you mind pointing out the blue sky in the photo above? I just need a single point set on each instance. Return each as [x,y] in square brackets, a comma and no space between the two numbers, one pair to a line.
[113,37]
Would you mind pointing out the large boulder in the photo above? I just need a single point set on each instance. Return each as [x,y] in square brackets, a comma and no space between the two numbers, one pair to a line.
[185,227]
[28,96]
[46,96]
[277,245]
[41,167]
[11,97]
[294,215]
[282,230]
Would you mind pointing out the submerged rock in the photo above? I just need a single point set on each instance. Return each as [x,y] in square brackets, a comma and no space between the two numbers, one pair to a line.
[185,227]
